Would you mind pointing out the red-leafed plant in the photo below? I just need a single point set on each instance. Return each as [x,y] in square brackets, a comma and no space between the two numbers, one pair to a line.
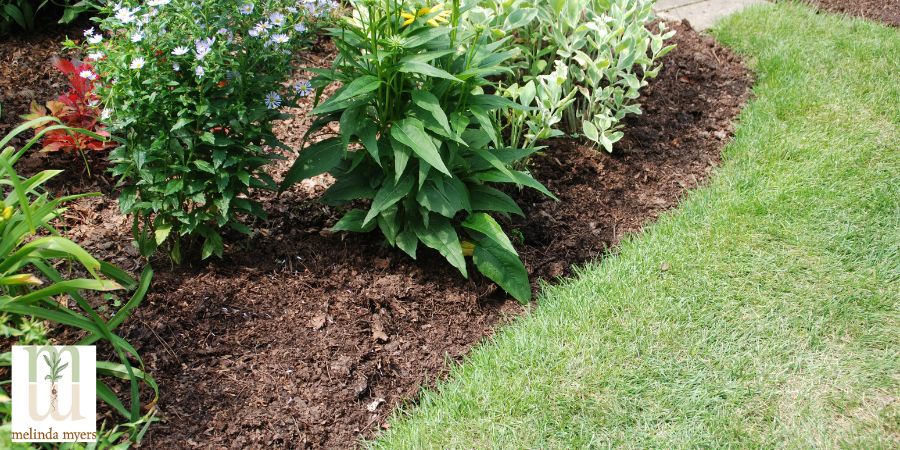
[77,108]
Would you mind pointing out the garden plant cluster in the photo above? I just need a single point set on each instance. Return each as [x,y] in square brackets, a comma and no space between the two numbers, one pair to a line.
[439,108]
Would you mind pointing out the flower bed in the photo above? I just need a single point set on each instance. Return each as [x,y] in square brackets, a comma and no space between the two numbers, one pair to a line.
[294,335]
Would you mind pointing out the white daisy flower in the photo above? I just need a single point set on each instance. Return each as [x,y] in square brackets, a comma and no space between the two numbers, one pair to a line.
[137,63]
[126,15]
[178,51]
[280,38]
[277,19]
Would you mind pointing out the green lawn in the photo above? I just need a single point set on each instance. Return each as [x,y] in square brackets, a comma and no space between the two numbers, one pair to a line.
[776,324]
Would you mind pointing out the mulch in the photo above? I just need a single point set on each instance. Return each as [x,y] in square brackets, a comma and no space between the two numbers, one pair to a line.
[303,338]
[885,11]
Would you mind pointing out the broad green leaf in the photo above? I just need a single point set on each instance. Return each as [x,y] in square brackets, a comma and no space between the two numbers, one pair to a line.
[429,103]
[486,225]
[519,178]
[357,87]
[486,198]
[353,221]
[494,261]
[388,224]
[441,236]
[389,194]
[348,189]
[314,160]
[444,196]
[408,242]
[590,131]
[427,70]
[411,133]
[162,233]
[367,135]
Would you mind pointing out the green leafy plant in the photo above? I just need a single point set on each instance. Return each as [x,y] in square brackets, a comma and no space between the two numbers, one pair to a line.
[24,14]
[418,136]
[21,13]
[193,89]
[607,50]
[32,288]
[543,104]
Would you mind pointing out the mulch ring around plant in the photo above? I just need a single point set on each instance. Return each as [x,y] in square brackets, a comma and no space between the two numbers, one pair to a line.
[300,337]
[885,11]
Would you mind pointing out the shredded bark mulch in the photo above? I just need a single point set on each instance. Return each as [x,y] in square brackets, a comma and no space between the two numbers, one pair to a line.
[886,11]
[26,74]
[301,338]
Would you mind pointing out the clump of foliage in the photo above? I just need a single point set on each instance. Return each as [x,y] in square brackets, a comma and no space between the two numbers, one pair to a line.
[32,289]
[77,108]
[600,50]
[193,88]
[417,136]
[26,14]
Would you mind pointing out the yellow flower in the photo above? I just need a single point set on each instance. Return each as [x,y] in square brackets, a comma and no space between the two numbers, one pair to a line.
[436,21]
[7,212]
[443,17]
[410,18]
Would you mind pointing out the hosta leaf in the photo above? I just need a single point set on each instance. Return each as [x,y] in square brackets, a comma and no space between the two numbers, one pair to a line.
[590,131]
[411,133]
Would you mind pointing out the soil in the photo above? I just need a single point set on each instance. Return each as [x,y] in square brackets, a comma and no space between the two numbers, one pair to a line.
[302,338]
[886,11]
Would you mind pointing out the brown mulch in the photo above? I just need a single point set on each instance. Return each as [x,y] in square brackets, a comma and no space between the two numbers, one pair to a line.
[886,11]
[304,338]
[27,74]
